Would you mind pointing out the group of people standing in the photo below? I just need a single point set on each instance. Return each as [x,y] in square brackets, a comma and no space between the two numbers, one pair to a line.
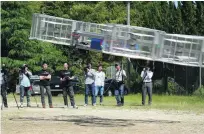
[94,84]
[94,81]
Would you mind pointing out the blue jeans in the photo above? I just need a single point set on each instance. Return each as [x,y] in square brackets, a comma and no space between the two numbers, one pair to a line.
[119,94]
[23,91]
[99,89]
[88,88]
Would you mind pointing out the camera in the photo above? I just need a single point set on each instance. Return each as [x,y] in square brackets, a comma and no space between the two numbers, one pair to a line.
[86,68]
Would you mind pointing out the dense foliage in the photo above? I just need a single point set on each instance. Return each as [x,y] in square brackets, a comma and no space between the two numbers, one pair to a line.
[16,17]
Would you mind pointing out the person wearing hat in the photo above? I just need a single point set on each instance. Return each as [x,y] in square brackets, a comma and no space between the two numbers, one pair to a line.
[89,84]
[119,91]
[45,77]
[146,75]
[24,78]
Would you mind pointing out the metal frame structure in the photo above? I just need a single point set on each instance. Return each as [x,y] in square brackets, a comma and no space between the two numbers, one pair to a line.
[120,40]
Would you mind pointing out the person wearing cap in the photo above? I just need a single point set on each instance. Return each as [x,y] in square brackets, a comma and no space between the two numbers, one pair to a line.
[4,85]
[66,78]
[99,83]
[45,77]
[24,77]
[89,84]
[146,75]
[119,91]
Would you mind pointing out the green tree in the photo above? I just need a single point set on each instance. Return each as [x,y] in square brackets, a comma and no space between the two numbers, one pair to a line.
[165,16]
[200,17]
[189,17]
[178,23]
[17,48]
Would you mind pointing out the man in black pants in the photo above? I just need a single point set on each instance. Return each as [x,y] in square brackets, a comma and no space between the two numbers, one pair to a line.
[45,78]
[4,86]
[66,77]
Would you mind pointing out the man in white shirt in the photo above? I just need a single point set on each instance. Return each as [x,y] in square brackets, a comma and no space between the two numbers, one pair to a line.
[146,75]
[119,92]
[99,83]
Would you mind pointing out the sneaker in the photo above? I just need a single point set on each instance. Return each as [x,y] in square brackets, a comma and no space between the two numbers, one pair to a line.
[21,105]
[65,106]
[94,104]
[85,105]
[51,106]
[43,105]
[119,104]
[6,106]
[75,106]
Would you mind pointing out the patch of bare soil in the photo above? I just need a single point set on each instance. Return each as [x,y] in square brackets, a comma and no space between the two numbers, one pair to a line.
[97,120]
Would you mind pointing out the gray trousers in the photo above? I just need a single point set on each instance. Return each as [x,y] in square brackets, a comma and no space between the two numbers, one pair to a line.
[147,88]
[68,90]
[48,94]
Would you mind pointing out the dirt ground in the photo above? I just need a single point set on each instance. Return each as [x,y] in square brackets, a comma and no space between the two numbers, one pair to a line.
[99,120]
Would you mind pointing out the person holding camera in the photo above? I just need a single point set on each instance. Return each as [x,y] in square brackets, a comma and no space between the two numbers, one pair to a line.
[89,84]
[99,83]
[119,91]
[66,78]
[24,78]
[45,77]
[4,85]
[146,75]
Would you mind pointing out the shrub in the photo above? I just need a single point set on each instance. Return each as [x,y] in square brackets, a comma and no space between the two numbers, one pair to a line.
[199,91]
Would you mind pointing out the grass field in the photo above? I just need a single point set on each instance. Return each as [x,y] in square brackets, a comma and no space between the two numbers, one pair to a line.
[185,103]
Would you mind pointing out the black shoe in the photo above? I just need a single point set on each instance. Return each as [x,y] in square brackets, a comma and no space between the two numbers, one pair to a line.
[119,104]
[28,105]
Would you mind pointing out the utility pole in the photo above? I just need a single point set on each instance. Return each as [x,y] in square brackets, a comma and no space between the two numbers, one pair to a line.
[128,23]
[128,13]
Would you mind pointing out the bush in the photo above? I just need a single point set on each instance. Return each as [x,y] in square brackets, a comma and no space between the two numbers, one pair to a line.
[199,91]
